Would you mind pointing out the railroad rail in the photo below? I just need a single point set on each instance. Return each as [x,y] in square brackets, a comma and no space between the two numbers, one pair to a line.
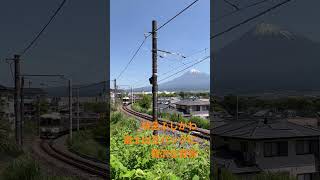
[82,164]
[198,132]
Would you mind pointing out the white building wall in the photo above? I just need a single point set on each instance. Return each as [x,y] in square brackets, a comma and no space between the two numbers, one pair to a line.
[288,163]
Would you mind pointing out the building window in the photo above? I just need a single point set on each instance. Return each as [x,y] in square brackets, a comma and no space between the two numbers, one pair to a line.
[307,176]
[244,146]
[275,149]
[306,147]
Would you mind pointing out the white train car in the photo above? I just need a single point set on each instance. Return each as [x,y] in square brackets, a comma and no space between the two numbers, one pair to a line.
[125,100]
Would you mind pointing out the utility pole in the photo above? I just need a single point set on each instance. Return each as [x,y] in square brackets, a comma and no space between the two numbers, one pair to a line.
[78,111]
[70,105]
[237,108]
[131,95]
[22,110]
[154,74]
[115,92]
[17,100]
[38,113]
[104,93]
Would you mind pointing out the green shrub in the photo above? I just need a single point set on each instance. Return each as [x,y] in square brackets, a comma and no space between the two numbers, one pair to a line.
[84,143]
[135,161]
[200,122]
[24,167]
[145,102]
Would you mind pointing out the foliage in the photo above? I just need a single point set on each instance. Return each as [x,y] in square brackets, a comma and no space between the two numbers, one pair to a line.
[200,122]
[167,95]
[43,105]
[7,143]
[306,106]
[101,129]
[145,102]
[84,143]
[25,168]
[135,161]
[138,108]
[175,117]
[184,95]
[30,127]
[98,107]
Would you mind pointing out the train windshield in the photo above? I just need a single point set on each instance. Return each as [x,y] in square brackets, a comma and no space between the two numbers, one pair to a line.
[49,122]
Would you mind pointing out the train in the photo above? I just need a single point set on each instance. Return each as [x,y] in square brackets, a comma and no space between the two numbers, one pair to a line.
[53,125]
[125,101]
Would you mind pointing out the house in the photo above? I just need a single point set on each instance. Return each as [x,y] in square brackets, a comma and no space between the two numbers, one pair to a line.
[247,147]
[193,107]
[7,104]
[30,97]
[304,121]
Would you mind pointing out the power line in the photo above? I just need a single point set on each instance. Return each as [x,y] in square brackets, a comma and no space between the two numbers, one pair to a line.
[177,15]
[237,10]
[186,57]
[231,4]
[197,52]
[178,67]
[203,59]
[90,85]
[149,34]
[134,55]
[250,19]
[42,30]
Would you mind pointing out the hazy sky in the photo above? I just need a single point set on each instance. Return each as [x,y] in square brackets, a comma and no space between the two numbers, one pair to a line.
[74,44]
[297,16]
[187,34]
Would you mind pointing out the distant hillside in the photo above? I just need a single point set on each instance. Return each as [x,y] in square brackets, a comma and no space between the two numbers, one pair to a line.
[95,90]
[192,80]
[267,58]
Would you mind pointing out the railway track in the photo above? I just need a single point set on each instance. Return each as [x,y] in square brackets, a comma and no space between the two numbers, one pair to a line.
[84,165]
[198,132]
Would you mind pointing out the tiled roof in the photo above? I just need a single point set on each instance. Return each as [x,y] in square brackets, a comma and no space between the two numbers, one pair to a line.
[257,129]
[191,102]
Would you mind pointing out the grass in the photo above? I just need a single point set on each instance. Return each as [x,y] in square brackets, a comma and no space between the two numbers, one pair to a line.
[136,162]
[25,168]
[7,143]
[84,143]
[200,122]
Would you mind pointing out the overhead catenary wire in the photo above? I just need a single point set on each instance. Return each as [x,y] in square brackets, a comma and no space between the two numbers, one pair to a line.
[203,59]
[134,55]
[231,4]
[138,83]
[175,16]
[186,57]
[43,29]
[250,19]
[149,34]
[237,10]
[90,85]
[178,67]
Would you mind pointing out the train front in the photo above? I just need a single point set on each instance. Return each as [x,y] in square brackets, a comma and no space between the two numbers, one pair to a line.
[50,125]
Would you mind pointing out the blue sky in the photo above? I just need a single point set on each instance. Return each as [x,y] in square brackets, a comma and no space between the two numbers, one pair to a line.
[188,34]
[74,44]
[296,16]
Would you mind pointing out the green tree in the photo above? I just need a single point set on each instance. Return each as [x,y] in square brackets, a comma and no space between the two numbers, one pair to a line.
[145,102]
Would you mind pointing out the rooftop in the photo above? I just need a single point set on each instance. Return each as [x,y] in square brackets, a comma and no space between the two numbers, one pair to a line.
[257,129]
[192,102]
[51,116]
